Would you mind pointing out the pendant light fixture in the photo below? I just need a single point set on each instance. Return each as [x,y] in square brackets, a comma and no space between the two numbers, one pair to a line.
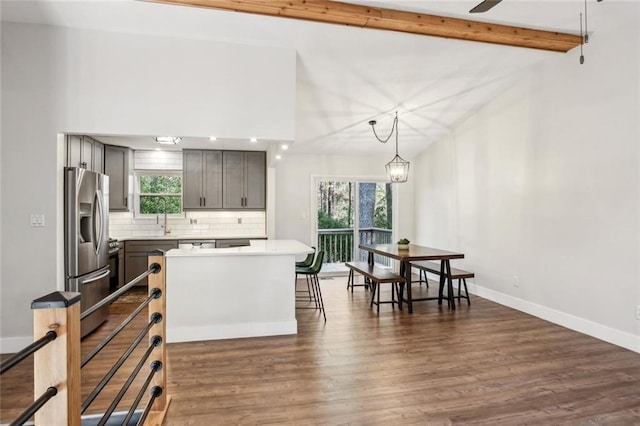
[397,168]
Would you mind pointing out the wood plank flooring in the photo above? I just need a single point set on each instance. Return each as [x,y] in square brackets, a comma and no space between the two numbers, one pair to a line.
[483,364]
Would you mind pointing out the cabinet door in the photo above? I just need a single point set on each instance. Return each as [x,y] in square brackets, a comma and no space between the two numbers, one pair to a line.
[74,144]
[255,180]
[86,152]
[212,180]
[98,157]
[116,166]
[135,263]
[192,179]
[233,179]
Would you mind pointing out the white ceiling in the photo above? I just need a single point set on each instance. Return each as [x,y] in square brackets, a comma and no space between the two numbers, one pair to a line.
[347,76]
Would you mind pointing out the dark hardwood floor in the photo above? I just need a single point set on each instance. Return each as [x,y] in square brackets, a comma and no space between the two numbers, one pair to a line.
[483,364]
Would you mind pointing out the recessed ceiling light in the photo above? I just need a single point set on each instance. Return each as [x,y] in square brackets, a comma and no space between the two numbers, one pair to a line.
[253,140]
[278,157]
[285,146]
[213,138]
[168,140]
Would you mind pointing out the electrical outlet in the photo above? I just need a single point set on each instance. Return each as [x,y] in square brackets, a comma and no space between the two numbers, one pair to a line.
[239,221]
[638,312]
[516,281]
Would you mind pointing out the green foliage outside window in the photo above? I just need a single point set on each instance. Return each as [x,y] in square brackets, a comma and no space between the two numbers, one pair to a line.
[327,222]
[154,188]
[151,204]
[336,205]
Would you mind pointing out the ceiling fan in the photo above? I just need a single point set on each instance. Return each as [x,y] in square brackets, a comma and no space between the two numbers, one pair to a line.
[484,6]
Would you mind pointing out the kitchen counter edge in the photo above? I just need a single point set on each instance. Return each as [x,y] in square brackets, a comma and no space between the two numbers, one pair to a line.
[191,237]
[257,248]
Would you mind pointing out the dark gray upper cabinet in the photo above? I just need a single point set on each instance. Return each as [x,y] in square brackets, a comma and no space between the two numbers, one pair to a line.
[98,157]
[244,179]
[118,165]
[202,179]
[85,152]
[74,151]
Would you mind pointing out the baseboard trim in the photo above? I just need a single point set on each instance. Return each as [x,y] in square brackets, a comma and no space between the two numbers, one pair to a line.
[230,331]
[11,345]
[581,325]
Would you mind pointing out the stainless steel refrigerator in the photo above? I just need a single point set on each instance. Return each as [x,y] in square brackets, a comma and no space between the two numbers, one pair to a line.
[86,223]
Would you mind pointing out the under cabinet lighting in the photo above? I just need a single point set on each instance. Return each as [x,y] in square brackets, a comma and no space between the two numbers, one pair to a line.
[253,140]
[213,138]
[285,147]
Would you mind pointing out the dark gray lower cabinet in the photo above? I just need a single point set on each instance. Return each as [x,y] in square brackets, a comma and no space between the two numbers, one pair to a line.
[137,256]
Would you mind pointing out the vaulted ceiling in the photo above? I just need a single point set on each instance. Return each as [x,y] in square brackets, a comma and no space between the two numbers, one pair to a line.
[347,76]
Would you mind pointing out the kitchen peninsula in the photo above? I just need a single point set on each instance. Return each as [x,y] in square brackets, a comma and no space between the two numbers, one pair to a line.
[232,292]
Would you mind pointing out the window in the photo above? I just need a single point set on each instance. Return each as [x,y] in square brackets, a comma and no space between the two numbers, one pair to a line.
[155,189]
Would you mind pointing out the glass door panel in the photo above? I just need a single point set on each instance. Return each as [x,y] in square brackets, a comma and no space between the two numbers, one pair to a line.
[375,218]
[336,220]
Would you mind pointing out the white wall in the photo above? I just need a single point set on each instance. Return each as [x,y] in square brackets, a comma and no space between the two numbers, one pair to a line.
[543,184]
[294,216]
[61,80]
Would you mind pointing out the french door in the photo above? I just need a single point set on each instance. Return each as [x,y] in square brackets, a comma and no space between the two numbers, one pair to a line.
[351,212]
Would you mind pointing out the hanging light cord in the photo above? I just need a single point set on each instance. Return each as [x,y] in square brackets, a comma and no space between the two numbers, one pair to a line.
[394,127]
[586,29]
[582,43]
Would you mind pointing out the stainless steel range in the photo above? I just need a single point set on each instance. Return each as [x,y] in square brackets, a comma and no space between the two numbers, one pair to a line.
[115,265]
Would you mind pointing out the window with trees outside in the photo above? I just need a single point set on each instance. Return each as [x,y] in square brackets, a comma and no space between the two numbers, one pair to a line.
[158,191]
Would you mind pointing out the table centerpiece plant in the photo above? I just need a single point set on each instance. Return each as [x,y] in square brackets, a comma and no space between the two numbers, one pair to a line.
[403,244]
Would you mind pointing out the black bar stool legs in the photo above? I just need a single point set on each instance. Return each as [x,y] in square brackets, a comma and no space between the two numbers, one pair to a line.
[313,282]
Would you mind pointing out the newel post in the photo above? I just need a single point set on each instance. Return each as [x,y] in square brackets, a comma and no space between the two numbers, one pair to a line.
[58,363]
[158,280]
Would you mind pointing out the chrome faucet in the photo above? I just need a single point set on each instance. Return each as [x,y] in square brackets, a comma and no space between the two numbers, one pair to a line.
[164,209]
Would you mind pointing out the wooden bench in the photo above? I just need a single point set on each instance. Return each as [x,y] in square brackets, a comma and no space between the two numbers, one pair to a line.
[459,274]
[376,276]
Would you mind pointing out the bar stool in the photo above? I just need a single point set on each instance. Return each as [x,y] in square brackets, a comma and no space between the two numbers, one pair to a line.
[307,262]
[311,274]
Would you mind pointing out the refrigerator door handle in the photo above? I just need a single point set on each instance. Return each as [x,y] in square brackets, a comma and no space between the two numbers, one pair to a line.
[98,223]
[99,277]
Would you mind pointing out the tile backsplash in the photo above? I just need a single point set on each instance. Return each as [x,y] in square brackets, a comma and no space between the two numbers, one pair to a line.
[194,224]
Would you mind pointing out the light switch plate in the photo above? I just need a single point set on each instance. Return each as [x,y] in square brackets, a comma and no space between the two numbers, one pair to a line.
[37,220]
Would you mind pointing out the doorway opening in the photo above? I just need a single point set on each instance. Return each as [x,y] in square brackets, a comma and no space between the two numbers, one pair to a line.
[350,213]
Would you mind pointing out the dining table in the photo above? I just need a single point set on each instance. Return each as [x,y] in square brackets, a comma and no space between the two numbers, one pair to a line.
[412,254]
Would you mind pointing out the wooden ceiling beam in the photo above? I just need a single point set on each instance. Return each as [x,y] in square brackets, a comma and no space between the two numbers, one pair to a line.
[333,12]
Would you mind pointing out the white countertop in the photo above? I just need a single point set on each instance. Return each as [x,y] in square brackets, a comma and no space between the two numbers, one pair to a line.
[190,237]
[257,248]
